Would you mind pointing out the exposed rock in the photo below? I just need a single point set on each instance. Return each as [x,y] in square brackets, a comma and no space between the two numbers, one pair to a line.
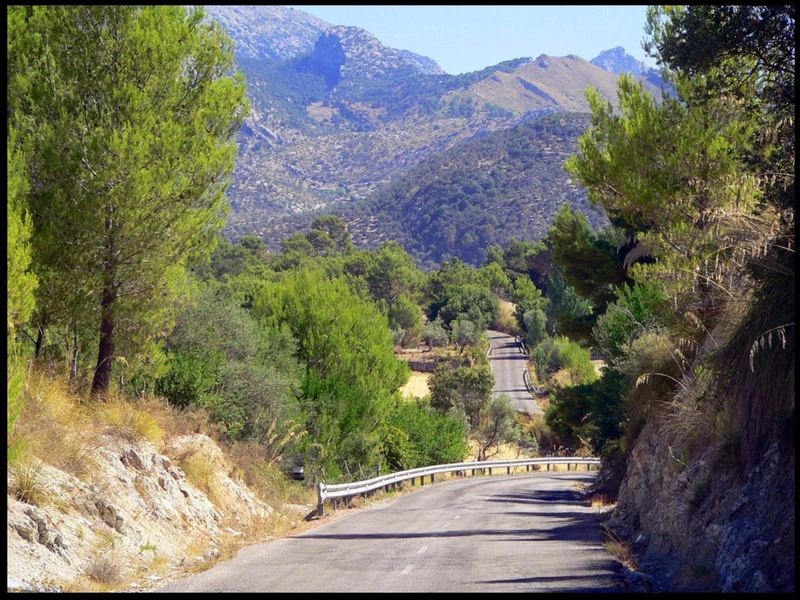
[696,526]
[138,498]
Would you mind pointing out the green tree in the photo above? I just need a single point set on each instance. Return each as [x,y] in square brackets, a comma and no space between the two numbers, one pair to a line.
[589,264]
[435,334]
[498,425]
[464,333]
[475,302]
[468,389]
[351,372]
[496,279]
[392,272]
[568,313]
[639,308]
[335,230]
[419,436]
[406,315]
[21,281]
[129,113]
[243,374]
[527,297]
[535,326]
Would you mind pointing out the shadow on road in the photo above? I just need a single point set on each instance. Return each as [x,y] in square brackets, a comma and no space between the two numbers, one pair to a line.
[602,583]
[539,497]
[580,530]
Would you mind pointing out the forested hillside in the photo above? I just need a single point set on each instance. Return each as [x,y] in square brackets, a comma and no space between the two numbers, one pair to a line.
[343,115]
[488,190]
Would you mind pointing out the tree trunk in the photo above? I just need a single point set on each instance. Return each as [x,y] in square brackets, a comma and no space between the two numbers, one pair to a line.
[102,372]
[73,366]
[37,353]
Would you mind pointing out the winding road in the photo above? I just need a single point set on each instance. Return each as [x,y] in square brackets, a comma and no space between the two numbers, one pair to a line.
[508,365]
[510,533]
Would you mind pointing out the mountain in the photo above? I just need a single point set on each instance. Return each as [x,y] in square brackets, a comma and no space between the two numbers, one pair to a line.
[483,191]
[618,61]
[337,115]
[272,32]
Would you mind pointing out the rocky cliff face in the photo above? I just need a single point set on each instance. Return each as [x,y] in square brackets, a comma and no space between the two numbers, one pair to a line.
[698,525]
[272,32]
[138,510]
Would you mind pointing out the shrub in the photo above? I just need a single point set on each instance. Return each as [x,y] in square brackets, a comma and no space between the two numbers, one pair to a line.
[535,321]
[103,568]
[639,308]
[593,413]
[466,388]
[416,436]
[464,333]
[552,354]
[498,425]
[435,334]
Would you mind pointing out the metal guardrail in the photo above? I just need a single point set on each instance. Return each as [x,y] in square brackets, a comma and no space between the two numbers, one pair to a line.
[391,480]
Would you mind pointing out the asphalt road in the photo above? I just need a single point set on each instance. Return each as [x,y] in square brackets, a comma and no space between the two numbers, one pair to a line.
[508,365]
[525,532]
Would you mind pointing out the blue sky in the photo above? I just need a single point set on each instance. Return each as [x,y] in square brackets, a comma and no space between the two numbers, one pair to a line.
[468,38]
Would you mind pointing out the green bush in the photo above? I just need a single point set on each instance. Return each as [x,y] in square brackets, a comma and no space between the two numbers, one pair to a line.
[639,308]
[594,412]
[468,389]
[435,334]
[416,436]
[553,354]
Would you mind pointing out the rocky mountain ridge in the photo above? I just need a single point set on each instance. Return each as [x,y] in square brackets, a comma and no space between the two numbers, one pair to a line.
[347,115]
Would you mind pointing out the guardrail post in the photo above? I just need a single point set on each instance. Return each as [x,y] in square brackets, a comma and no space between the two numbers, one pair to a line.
[508,470]
[433,477]
[548,466]
[320,500]
[490,470]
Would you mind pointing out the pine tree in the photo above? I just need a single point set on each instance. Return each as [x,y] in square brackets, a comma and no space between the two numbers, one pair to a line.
[129,113]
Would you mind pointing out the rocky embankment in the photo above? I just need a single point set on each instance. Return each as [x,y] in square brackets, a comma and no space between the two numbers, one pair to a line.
[700,525]
[135,520]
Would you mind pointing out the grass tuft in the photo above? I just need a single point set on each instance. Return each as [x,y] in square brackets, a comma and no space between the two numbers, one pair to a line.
[103,568]
[620,549]
[130,421]
[27,483]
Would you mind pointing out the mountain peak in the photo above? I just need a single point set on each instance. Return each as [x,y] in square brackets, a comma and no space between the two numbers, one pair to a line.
[616,60]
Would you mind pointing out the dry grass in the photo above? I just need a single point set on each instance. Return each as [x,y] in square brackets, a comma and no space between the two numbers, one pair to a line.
[27,484]
[130,421]
[265,478]
[600,500]
[55,426]
[619,549]
[202,474]
[104,569]
[417,386]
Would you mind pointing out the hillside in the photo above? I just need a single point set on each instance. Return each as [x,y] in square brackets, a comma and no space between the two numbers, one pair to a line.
[339,115]
[484,191]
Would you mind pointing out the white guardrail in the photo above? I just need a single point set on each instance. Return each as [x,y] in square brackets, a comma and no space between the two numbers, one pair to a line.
[392,480]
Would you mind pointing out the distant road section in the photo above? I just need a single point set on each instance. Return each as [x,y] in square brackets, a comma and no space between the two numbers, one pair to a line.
[508,365]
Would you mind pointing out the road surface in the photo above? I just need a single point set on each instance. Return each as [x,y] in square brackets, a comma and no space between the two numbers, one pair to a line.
[508,365]
[524,532]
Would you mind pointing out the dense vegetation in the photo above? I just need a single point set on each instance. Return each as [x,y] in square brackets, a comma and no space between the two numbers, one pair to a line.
[694,304]
[121,121]
[115,208]
[484,191]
